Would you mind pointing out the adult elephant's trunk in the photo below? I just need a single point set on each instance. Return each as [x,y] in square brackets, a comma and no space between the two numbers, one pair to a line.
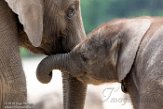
[44,69]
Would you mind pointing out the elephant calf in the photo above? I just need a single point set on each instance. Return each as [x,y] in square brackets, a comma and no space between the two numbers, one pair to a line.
[128,50]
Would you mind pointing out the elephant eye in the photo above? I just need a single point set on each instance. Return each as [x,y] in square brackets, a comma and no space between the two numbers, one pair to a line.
[71,12]
[85,59]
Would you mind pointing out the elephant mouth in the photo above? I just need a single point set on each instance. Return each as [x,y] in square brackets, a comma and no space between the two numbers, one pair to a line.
[88,79]
[50,52]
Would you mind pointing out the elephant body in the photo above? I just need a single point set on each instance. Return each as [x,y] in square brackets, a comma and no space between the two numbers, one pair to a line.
[42,26]
[147,71]
[128,50]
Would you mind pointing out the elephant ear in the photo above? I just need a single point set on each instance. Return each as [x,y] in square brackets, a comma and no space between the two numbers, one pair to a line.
[133,33]
[30,14]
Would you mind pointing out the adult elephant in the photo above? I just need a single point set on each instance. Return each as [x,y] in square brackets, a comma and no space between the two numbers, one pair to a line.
[125,50]
[42,26]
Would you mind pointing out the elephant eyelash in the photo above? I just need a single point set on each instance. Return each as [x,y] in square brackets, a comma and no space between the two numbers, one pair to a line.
[71,11]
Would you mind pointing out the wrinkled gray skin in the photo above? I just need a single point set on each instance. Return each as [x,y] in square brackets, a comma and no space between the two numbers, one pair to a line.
[42,26]
[123,49]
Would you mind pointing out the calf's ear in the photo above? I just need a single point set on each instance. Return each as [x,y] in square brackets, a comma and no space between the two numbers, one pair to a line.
[30,14]
[133,33]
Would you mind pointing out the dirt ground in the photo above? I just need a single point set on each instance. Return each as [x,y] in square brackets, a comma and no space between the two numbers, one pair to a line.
[106,96]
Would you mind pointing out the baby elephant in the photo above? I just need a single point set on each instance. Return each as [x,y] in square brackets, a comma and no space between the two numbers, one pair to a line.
[128,50]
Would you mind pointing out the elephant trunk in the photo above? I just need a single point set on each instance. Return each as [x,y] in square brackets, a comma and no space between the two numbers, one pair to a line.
[44,69]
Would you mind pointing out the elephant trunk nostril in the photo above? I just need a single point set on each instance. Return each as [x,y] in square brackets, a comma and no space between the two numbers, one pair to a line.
[50,74]
[44,78]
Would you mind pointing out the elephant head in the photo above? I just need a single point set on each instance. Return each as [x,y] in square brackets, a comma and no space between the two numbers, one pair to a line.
[107,55]
[48,26]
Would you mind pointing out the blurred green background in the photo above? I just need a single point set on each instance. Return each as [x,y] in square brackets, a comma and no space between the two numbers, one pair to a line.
[95,12]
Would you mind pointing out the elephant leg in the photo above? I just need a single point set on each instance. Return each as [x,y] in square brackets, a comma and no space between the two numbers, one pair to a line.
[74,92]
[13,91]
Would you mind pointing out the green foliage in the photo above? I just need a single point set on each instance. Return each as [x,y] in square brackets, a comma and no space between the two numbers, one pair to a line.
[25,53]
[95,12]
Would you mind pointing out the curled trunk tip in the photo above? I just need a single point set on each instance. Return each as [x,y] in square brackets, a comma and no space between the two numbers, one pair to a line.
[41,76]
[45,67]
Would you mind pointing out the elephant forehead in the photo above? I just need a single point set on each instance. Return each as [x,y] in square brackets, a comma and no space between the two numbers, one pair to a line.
[54,3]
[67,2]
[59,6]
[58,3]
